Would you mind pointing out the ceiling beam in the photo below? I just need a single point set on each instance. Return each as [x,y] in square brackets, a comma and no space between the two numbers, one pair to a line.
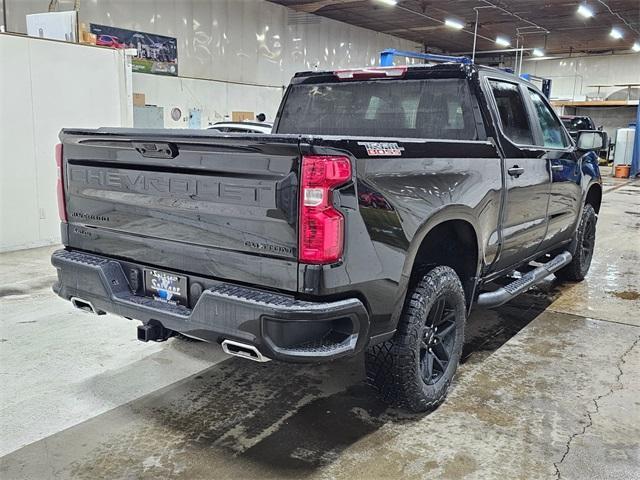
[414,29]
[313,7]
[554,26]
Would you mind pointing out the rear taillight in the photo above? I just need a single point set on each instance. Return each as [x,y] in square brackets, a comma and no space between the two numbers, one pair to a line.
[62,209]
[321,225]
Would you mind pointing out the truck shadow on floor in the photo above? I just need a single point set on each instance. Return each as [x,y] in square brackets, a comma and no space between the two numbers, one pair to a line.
[248,419]
[324,427]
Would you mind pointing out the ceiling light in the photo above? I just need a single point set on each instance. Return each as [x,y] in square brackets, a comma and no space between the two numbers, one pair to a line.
[503,42]
[450,22]
[585,11]
[537,52]
[616,33]
[636,47]
[389,2]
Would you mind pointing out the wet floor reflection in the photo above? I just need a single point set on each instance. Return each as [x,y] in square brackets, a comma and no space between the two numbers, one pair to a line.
[247,419]
[487,330]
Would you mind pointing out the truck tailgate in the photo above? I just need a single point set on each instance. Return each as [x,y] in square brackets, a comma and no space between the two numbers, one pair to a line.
[188,201]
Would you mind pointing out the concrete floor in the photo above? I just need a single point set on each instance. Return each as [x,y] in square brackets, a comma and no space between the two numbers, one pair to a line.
[549,388]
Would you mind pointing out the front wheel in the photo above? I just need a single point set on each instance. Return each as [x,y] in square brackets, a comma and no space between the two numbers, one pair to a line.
[415,368]
[583,245]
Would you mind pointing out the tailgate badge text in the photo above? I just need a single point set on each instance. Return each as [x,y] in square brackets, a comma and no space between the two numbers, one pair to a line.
[382,149]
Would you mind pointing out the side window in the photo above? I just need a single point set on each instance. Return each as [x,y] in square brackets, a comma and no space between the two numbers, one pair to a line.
[552,132]
[513,114]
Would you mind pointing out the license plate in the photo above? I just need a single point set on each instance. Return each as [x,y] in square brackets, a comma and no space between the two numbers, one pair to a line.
[165,286]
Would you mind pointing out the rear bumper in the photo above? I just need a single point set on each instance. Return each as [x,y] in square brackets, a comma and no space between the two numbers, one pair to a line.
[279,326]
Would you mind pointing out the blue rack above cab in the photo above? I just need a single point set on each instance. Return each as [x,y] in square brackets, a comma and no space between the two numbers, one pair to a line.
[386,60]
[545,83]
[386,57]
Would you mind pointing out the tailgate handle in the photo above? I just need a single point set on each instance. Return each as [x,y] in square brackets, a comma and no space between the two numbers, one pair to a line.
[156,150]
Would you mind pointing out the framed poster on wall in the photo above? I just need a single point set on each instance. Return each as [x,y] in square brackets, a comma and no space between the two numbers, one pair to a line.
[156,53]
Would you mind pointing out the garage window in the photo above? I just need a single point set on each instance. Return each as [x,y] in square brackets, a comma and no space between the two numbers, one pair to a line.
[513,114]
[431,108]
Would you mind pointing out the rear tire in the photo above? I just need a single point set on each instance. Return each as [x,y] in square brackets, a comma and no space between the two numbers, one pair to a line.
[414,369]
[582,247]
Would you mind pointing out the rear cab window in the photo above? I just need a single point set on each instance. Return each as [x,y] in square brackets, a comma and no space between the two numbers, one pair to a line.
[421,108]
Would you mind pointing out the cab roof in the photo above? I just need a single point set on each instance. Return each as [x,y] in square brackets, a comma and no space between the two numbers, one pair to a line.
[411,72]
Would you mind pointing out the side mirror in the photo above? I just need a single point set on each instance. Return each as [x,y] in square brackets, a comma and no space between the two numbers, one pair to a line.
[593,140]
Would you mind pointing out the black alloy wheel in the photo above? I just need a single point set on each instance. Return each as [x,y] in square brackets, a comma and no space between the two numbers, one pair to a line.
[438,340]
[588,244]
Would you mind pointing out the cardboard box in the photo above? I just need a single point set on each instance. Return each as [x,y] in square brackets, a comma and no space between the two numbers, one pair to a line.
[242,116]
[85,36]
[139,100]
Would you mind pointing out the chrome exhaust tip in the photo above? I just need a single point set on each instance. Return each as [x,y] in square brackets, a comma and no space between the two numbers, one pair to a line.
[85,306]
[243,350]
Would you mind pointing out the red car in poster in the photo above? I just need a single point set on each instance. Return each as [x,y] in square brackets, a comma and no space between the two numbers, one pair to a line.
[109,41]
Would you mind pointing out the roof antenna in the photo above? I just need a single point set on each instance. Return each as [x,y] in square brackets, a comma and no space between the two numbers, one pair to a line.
[475,37]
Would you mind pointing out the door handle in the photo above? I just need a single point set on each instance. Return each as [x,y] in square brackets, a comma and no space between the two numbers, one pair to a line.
[515,171]
[557,168]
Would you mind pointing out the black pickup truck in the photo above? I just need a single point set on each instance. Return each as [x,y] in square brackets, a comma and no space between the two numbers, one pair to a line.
[384,205]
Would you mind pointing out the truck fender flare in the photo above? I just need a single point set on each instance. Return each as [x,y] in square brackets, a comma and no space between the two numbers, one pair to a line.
[447,213]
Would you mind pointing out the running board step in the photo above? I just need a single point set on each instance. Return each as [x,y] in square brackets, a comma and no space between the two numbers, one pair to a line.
[524,283]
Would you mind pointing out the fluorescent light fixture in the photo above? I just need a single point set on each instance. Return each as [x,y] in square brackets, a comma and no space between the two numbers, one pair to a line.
[389,2]
[636,47]
[585,11]
[537,52]
[503,42]
[616,33]
[457,24]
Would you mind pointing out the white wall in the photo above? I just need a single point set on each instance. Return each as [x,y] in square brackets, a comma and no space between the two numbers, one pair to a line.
[254,45]
[45,86]
[247,41]
[251,42]
[572,75]
[215,99]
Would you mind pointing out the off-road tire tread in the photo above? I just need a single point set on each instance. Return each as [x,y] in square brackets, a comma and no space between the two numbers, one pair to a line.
[390,366]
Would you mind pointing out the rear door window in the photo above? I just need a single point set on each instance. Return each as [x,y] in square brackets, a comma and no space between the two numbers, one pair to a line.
[512,111]
[430,108]
[553,135]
